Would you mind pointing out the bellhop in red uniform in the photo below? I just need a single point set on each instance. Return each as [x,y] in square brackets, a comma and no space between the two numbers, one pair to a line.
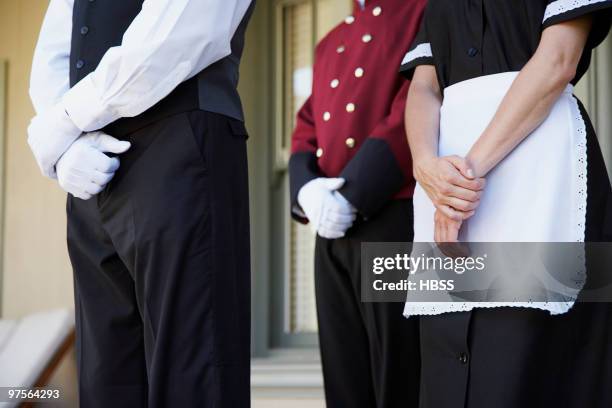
[351,179]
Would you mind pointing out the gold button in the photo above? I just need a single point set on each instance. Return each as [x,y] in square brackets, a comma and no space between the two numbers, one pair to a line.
[359,72]
[366,38]
[350,107]
[319,152]
[340,49]
[326,116]
[335,83]
[349,20]
[377,11]
[350,142]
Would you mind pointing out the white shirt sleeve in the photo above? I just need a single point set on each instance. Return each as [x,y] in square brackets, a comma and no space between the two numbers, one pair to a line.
[49,79]
[168,42]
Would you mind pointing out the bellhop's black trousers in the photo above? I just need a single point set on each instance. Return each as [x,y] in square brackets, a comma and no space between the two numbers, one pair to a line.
[161,270]
[369,351]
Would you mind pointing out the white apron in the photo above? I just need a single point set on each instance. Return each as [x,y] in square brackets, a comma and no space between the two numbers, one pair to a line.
[536,194]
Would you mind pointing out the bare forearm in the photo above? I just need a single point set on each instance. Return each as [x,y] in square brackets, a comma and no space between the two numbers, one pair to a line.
[447,181]
[531,96]
[523,109]
[422,122]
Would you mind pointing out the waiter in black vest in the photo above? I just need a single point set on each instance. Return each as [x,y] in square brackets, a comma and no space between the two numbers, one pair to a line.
[138,118]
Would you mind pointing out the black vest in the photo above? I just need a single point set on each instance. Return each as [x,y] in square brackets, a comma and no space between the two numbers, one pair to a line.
[98,25]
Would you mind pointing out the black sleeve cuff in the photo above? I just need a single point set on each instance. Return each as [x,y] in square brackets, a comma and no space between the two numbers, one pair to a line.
[602,18]
[303,168]
[407,70]
[372,177]
[420,54]
[601,28]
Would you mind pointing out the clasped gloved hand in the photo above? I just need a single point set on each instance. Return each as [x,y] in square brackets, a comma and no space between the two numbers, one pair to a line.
[329,213]
[50,134]
[84,169]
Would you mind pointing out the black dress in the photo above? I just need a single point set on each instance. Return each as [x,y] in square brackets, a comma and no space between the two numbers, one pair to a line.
[507,357]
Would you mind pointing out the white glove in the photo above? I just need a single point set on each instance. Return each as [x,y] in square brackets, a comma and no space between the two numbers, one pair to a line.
[84,169]
[50,134]
[329,213]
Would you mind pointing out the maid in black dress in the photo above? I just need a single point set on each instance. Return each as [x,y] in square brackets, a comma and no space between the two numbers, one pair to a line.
[491,98]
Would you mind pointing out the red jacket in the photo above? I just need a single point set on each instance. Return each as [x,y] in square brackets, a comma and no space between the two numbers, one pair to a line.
[352,126]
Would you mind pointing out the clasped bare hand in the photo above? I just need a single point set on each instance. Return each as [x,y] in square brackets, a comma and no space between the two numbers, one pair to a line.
[451,185]
[446,235]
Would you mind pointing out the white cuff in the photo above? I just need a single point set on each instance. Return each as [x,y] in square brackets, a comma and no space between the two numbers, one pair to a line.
[420,51]
[85,107]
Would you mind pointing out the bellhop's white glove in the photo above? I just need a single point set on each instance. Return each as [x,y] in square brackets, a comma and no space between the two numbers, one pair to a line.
[84,169]
[330,214]
[50,134]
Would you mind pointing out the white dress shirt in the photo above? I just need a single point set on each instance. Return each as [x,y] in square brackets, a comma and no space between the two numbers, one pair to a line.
[167,43]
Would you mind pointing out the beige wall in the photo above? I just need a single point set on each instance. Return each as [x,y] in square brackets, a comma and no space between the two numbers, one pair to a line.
[36,271]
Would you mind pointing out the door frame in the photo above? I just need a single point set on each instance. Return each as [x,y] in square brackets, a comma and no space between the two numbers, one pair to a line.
[3,107]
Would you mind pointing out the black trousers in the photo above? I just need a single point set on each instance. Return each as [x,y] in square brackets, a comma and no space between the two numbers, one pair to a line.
[369,351]
[161,270]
